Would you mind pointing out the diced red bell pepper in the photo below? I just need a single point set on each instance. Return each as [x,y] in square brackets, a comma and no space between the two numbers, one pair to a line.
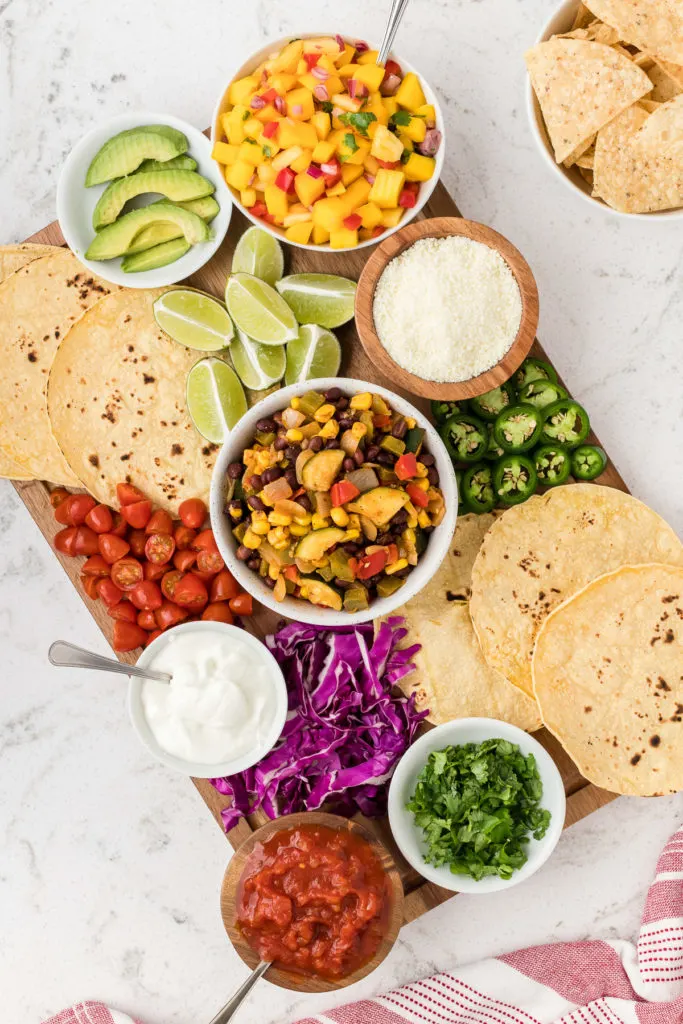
[412,186]
[392,68]
[269,129]
[259,209]
[312,59]
[353,221]
[377,231]
[392,553]
[285,179]
[270,95]
[417,496]
[332,171]
[370,565]
[389,165]
[342,492]
[381,421]
[405,467]
[291,573]
[353,565]
[407,199]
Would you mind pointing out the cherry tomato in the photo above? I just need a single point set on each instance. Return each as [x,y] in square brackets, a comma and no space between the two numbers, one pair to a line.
[109,592]
[126,573]
[57,496]
[137,540]
[137,514]
[190,592]
[124,611]
[209,562]
[95,566]
[160,522]
[64,540]
[168,583]
[154,572]
[206,577]
[127,494]
[205,541]
[218,611]
[224,586]
[146,620]
[73,510]
[242,604]
[85,541]
[153,635]
[90,586]
[100,519]
[192,513]
[159,548]
[184,560]
[146,595]
[170,615]
[112,547]
[127,636]
[120,527]
[183,537]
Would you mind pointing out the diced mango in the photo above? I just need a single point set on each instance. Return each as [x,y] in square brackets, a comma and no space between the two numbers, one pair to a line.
[370,75]
[266,175]
[371,215]
[386,146]
[224,153]
[286,157]
[267,113]
[350,173]
[352,149]
[327,62]
[251,153]
[308,189]
[302,163]
[321,123]
[356,194]
[300,104]
[343,238]
[415,130]
[337,190]
[346,70]
[320,235]
[387,188]
[390,218]
[427,111]
[287,60]
[296,133]
[344,56]
[390,105]
[322,152]
[376,106]
[321,44]
[407,143]
[409,93]
[369,57]
[347,103]
[233,126]
[248,197]
[239,175]
[365,234]
[332,84]
[418,167]
[300,233]
[241,90]
[252,128]
[282,83]
[329,214]
[276,201]
[370,164]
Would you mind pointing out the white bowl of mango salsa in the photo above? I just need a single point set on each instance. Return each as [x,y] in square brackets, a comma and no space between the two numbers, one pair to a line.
[323,148]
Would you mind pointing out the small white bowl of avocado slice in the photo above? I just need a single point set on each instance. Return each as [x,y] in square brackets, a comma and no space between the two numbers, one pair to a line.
[140,201]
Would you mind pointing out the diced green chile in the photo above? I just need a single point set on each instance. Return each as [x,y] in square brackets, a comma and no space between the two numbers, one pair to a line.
[565,422]
[465,437]
[534,369]
[553,465]
[588,462]
[489,405]
[518,428]
[442,410]
[477,488]
[514,479]
[541,392]
[414,439]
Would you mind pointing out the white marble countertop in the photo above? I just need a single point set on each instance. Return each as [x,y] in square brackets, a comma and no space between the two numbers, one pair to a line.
[109,866]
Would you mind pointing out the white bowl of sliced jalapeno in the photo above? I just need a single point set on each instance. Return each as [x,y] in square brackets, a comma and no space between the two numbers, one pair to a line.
[333,501]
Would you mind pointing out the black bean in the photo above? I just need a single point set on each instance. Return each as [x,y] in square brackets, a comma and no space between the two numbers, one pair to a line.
[280,443]
[254,563]
[332,443]
[270,475]
[426,459]
[255,482]
[400,519]
[341,584]
[386,458]
[342,403]
[235,470]
[293,452]
[316,443]
[304,501]
[399,428]
[358,456]
[243,553]
[402,573]
[372,453]
[332,394]
[290,477]
[266,426]
[256,503]
[427,529]
[351,549]
[345,422]
[349,464]
[396,528]
[384,538]
[433,477]
[269,583]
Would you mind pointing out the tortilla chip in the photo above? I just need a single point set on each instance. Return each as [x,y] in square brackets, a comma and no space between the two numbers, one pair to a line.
[607,675]
[582,17]
[116,399]
[580,87]
[539,554]
[654,25]
[665,88]
[452,678]
[674,71]
[649,105]
[587,175]
[586,161]
[585,146]
[596,32]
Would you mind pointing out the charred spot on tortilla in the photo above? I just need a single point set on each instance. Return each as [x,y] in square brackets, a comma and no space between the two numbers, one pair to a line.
[635,759]
[450,596]
[655,741]
[669,598]
[32,357]
[176,449]
[663,685]
[94,461]
[148,379]
[587,710]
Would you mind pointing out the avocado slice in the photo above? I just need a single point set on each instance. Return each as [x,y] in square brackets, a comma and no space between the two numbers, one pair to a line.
[176,185]
[320,593]
[320,472]
[206,208]
[123,153]
[380,504]
[114,239]
[156,256]
[176,163]
[313,546]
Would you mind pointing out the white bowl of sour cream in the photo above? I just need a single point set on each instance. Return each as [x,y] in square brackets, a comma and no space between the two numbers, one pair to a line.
[224,708]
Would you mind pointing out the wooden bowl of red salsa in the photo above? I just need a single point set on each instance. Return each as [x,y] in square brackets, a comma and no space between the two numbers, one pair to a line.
[318,895]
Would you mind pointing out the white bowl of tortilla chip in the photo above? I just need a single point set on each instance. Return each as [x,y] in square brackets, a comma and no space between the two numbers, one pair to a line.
[564,20]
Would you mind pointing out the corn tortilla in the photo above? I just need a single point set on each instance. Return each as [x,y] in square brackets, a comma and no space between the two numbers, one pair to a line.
[608,675]
[654,25]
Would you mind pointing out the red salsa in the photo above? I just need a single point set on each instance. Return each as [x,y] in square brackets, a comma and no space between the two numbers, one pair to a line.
[314,900]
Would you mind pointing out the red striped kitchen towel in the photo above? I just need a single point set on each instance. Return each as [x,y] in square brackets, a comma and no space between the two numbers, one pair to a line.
[596,982]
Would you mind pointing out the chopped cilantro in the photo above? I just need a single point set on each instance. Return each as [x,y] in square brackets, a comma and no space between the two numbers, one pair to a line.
[246,115]
[350,142]
[477,805]
[401,117]
[360,121]
[252,142]
[267,151]
[405,156]
[327,106]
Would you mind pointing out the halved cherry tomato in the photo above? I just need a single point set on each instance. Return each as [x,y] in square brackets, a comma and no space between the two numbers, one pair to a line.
[184,560]
[218,611]
[417,495]
[146,620]
[112,547]
[190,592]
[85,541]
[159,548]
[100,519]
[205,541]
[146,595]
[126,573]
[168,583]
[124,611]
[62,512]
[57,496]
[127,636]
[137,540]
[154,572]
[370,565]
[170,614]
[95,566]
[192,513]
[224,586]
[209,562]
[152,636]
[109,592]
[90,586]
[74,509]
[160,522]
[120,526]
[184,537]
[128,495]
[64,540]
[242,604]
[137,514]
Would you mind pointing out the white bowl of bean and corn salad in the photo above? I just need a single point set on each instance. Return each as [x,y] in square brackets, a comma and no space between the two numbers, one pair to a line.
[333,501]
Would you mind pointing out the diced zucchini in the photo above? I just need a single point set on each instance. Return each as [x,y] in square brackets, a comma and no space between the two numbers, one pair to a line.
[310,402]
[320,472]
[380,504]
[340,567]
[239,532]
[393,444]
[388,585]
[317,592]
[356,598]
[325,573]
[420,541]
[313,546]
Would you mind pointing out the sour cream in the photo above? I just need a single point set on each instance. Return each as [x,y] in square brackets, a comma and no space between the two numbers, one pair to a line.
[220,703]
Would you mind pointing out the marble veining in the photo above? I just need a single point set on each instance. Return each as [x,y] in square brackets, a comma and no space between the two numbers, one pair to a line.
[110,867]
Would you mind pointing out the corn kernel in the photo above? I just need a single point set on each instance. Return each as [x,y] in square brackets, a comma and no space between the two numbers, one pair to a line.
[260,529]
[358,430]
[295,402]
[278,519]
[410,422]
[298,531]
[294,435]
[422,469]
[352,535]
[362,401]
[401,563]
[354,521]
[324,413]
[273,571]
[412,514]
[339,517]
[236,513]
[422,483]
[423,519]
[251,540]
[303,520]
[319,522]
[331,429]
[409,536]
[303,592]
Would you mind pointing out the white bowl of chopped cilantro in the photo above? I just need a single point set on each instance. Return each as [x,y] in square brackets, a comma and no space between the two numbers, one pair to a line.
[476,805]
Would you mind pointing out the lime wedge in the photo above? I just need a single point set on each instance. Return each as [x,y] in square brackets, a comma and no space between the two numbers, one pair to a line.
[259,311]
[194,319]
[215,398]
[315,353]
[259,254]
[257,366]
[322,299]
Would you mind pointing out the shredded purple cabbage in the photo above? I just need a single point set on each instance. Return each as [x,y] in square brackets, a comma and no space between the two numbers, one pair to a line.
[345,728]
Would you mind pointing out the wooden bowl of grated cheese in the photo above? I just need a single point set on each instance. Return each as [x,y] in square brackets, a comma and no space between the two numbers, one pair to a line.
[447,308]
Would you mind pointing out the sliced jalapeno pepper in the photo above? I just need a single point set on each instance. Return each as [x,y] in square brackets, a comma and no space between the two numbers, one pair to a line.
[534,369]
[477,489]
[518,428]
[465,437]
[494,451]
[442,410]
[514,479]
[542,392]
[489,405]
[588,461]
[565,422]
[553,465]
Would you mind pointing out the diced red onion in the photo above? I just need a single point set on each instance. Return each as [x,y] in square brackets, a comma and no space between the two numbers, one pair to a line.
[370,178]
[257,103]
[321,92]
[322,74]
[340,42]
[357,90]
[390,85]
[297,109]
[314,171]
[361,46]
[279,104]
[431,142]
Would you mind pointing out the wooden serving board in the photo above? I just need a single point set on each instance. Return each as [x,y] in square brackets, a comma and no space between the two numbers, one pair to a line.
[582,797]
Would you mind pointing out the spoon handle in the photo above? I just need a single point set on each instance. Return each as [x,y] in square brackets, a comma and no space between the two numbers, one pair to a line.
[66,655]
[224,1015]
[395,15]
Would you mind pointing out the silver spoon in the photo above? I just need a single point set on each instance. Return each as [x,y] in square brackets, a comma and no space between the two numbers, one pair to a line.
[66,655]
[395,15]
[235,1001]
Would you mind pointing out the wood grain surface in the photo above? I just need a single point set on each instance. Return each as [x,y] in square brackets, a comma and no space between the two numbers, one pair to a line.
[582,797]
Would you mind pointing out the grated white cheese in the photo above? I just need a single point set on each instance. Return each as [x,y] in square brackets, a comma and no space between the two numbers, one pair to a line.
[447,309]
